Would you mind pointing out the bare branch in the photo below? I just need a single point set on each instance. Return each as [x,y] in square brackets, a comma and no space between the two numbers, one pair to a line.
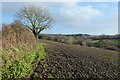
[36,18]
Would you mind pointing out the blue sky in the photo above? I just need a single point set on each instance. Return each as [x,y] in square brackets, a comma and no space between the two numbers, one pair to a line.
[93,18]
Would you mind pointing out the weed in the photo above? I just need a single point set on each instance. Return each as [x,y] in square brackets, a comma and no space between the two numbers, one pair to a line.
[15,66]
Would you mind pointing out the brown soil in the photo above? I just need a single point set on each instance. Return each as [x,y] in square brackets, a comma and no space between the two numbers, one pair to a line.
[73,61]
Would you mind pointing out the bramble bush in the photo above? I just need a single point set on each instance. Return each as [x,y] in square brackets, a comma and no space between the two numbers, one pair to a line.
[19,63]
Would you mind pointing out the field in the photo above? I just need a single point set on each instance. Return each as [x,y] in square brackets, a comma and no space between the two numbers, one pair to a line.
[116,41]
[61,60]
[80,41]
[74,61]
[110,42]
[95,40]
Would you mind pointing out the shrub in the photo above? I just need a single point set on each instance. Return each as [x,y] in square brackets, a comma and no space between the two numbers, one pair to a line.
[60,39]
[15,66]
[90,43]
[69,40]
[14,35]
[79,42]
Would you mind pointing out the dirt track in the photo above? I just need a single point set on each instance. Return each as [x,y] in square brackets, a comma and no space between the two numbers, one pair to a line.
[67,60]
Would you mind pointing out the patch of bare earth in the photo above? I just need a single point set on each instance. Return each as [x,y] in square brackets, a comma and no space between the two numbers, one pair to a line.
[73,61]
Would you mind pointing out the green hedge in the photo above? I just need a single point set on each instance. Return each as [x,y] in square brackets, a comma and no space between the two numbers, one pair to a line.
[16,66]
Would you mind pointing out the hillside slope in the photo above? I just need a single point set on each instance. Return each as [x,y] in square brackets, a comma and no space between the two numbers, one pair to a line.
[68,60]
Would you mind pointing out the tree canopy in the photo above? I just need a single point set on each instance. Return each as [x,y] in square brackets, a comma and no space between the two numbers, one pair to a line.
[36,18]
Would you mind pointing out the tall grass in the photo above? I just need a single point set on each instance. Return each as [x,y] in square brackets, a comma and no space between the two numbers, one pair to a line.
[19,63]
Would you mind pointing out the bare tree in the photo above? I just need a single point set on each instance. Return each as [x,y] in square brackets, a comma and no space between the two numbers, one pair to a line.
[36,18]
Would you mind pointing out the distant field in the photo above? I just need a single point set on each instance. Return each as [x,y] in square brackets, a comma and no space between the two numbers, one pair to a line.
[95,40]
[116,41]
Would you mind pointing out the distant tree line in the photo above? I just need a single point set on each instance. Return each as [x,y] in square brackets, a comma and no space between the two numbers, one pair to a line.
[101,41]
[117,36]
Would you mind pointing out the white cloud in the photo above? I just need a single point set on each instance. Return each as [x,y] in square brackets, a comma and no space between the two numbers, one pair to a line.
[74,15]
[111,21]
[103,6]
[110,25]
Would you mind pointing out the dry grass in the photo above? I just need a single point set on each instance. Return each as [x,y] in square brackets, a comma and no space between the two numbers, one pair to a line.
[16,35]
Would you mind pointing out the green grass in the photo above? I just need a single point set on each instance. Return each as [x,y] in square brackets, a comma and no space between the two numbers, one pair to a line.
[95,40]
[19,63]
[116,41]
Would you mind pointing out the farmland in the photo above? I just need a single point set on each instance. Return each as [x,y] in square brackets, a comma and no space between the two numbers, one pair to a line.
[116,41]
[74,61]
[110,42]
[82,41]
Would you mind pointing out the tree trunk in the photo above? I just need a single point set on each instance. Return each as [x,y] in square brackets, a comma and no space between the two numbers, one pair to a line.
[37,36]
[34,33]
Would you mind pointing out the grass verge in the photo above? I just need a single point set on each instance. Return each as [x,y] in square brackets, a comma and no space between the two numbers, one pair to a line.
[20,63]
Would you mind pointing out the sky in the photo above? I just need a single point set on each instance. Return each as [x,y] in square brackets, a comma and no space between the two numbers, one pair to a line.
[93,18]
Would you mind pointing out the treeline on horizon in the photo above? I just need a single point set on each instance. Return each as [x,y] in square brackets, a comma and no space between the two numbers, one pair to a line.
[110,42]
[93,37]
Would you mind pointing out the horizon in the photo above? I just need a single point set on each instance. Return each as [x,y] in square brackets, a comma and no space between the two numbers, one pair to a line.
[82,34]
[77,34]
[93,18]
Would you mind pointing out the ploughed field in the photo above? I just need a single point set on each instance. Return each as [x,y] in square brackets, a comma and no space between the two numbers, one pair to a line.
[74,61]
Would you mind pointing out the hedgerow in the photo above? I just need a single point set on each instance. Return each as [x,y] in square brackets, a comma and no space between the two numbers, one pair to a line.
[19,63]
